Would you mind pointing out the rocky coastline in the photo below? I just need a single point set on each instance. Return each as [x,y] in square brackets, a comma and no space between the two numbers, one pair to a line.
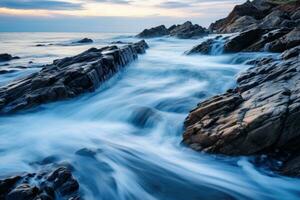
[68,77]
[187,30]
[261,114]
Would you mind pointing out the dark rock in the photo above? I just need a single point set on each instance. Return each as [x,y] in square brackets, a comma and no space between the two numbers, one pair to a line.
[158,31]
[203,48]
[86,153]
[119,42]
[7,57]
[68,77]
[243,40]
[84,41]
[48,184]
[288,41]
[258,14]
[186,30]
[145,117]
[261,115]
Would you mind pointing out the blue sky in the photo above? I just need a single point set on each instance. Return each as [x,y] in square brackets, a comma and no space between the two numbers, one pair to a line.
[107,15]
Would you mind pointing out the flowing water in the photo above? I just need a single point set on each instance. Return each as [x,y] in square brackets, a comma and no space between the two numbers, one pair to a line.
[134,122]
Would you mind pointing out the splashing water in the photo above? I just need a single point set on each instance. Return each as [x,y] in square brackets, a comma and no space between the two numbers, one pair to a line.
[134,123]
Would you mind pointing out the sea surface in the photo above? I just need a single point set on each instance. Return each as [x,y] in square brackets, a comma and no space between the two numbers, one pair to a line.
[134,122]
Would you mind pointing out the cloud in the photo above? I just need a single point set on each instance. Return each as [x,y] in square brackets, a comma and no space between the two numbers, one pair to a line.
[113,1]
[173,4]
[39,4]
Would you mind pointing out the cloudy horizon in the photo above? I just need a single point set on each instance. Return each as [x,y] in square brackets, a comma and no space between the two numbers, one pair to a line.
[107,15]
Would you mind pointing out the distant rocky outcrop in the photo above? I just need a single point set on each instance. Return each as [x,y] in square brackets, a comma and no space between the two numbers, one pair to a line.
[84,41]
[7,57]
[183,31]
[265,14]
[54,182]
[68,77]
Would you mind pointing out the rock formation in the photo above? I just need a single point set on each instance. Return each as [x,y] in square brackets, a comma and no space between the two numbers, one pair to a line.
[7,57]
[47,184]
[68,77]
[265,14]
[84,41]
[183,31]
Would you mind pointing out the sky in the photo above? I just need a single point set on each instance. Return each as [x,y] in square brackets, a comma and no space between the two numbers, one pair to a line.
[107,15]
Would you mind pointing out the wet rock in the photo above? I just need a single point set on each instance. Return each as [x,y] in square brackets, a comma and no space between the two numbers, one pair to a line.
[158,31]
[183,31]
[258,14]
[144,117]
[84,41]
[243,40]
[288,41]
[68,77]
[7,57]
[48,183]
[85,152]
[260,115]
[187,31]
[203,48]
[119,42]
[294,52]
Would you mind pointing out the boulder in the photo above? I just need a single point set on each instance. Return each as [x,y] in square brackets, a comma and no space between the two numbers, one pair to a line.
[243,40]
[264,14]
[68,77]
[287,41]
[203,48]
[158,31]
[7,57]
[48,183]
[260,115]
[187,31]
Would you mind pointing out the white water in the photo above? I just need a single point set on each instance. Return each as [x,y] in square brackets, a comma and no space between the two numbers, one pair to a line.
[138,157]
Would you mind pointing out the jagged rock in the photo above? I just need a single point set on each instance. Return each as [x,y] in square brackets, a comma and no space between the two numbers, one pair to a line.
[258,13]
[288,41]
[187,30]
[260,115]
[158,31]
[184,31]
[203,48]
[243,40]
[48,183]
[68,77]
[7,57]
[296,15]
[84,40]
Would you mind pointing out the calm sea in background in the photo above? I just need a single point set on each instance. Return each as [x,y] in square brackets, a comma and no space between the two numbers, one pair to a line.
[134,122]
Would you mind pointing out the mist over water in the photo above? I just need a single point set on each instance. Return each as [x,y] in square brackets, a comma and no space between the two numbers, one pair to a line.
[134,123]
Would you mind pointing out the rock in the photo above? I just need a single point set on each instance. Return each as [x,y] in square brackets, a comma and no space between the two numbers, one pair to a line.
[144,117]
[84,41]
[186,30]
[7,57]
[274,19]
[47,184]
[85,152]
[261,45]
[287,41]
[243,40]
[203,48]
[291,53]
[119,42]
[68,77]
[260,115]
[158,31]
[263,14]
[296,15]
